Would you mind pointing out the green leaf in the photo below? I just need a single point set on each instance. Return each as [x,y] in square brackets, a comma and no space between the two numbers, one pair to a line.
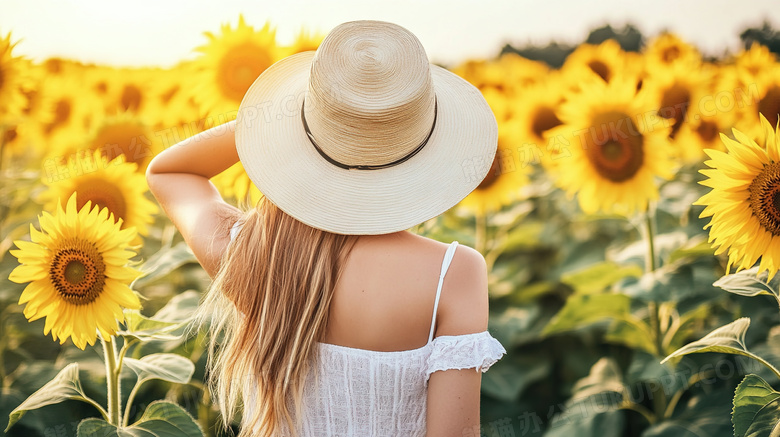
[168,367]
[756,409]
[748,283]
[584,309]
[728,339]
[161,419]
[594,406]
[179,308]
[604,376]
[163,262]
[597,277]
[695,248]
[146,329]
[703,415]
[632,332]
[64,386]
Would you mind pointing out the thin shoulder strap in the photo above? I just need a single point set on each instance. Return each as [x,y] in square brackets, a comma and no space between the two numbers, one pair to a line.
[444,266]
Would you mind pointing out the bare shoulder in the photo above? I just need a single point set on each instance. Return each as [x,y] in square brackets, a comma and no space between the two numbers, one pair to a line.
[463,306]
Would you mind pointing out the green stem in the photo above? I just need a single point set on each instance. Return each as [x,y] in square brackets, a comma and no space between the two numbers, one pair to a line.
[650,259]
[125,347]
[653,307]
[678,394]
[203,405]
[641,409]
[130,400]
[764,362]
[112,380]
[659,397]
[99,407]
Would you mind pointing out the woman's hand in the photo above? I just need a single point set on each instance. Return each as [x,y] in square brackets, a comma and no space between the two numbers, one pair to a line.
[179,179]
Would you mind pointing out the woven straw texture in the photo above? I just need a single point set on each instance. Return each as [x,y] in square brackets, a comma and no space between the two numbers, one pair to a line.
[370,96]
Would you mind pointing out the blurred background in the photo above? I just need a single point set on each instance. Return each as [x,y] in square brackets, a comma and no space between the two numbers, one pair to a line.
[589,219]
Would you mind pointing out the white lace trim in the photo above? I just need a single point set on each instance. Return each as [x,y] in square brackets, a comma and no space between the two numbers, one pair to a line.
[479,351]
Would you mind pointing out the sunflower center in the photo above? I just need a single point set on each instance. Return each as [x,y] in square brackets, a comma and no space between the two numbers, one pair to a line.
[131,98]
[53,65]
[674,104]
[130,139]
[544,119]
[10,134]
[619,155]
[491,176]
[61,112]
[670,54]
[707,131]
[31,98]
[770,105]
[239,68]
[765,197]
[103,194]
[101,87]
[77,272]
[168,95]
[601,69]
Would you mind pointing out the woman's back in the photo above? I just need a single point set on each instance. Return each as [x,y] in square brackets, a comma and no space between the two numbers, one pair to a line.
[371,371]
[385,297]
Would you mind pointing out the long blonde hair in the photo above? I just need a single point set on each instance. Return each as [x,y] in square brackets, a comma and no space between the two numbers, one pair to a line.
[267,308]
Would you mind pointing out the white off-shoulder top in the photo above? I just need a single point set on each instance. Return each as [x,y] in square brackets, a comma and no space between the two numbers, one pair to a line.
[359,392]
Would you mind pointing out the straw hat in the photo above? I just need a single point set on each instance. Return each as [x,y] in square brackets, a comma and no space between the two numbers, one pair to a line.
[364,136]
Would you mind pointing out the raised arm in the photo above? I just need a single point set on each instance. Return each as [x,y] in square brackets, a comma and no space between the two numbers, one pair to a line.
[454,395]
[179,179]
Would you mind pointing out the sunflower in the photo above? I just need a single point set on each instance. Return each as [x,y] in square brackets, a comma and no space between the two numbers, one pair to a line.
[178,110]
[78,274]
[73,108]
[612,147]
[668,49]
[504,181]
[701,131]
[519,73]
[593,62]
[761,97]
[753,63]
[744,201]
[534,113]
[231,62]
[115,185]
[506,76]
[38,110]
[127,91]
[125,134]
[14,78]
[677,91]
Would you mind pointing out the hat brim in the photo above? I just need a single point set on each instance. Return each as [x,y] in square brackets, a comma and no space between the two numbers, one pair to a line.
[281,161]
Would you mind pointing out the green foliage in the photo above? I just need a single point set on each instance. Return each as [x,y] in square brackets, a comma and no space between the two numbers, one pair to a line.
[728,339]
[66,385]
[161,419]
[756,409]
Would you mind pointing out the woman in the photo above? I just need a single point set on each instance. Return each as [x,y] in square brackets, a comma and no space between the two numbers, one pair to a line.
[333,318]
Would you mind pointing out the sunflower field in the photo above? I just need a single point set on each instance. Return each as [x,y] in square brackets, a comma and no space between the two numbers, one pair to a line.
[630,222]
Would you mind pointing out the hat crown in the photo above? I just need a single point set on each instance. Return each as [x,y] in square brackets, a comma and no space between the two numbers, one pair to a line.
[370,98]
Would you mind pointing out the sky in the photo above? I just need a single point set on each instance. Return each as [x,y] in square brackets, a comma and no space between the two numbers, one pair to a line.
[163,32]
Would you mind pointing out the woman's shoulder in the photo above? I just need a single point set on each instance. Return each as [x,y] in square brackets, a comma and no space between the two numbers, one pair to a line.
[466,260]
